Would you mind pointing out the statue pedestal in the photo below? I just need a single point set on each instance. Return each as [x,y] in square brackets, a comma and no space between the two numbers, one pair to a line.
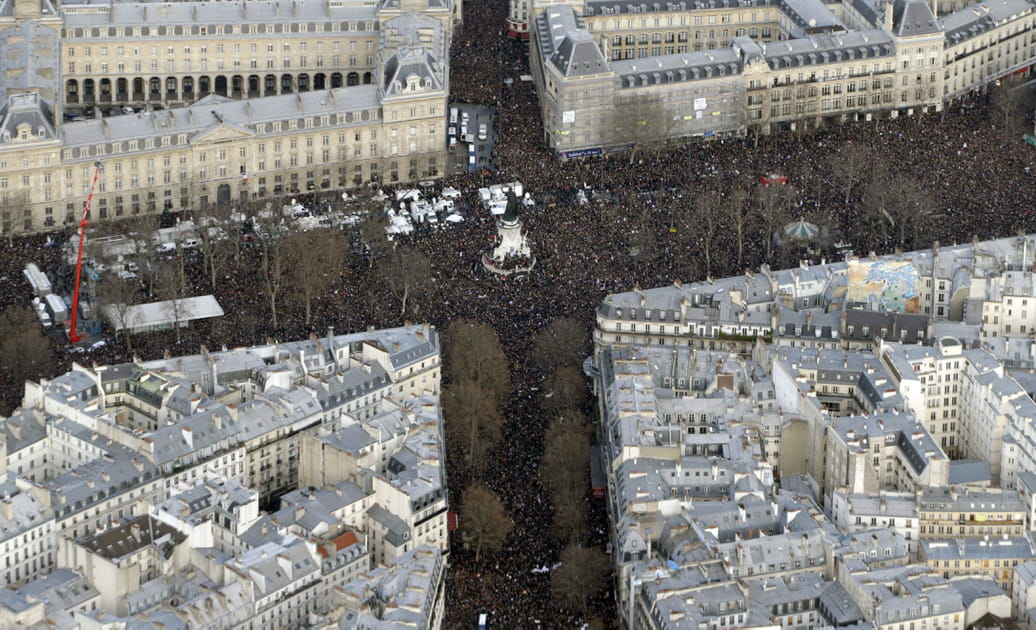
[511,256]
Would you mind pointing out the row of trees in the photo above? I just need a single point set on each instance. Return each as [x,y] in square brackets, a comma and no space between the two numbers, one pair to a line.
[885,209]
[291,265]
[736,224]
[472,407]
[729,226]
[557,351]
[479,383]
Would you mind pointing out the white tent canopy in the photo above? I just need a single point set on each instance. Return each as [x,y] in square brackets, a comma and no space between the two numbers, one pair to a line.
[161,315]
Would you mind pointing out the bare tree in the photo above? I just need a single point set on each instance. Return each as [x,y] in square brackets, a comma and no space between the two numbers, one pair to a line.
[564,473]
[1008,100]
[173,291]
[180,258]
[564,389]
[910,212]
[570,520]
[740,213]
[316,256]
[566,454]
[141,229]
[116,297]
[372,231]
[484,519]
[849,167]
[564,341]
[474,354]
[878,221]
[218,241]
[25,353]
[643,237]
[704,218]
[473,422]
[774,205]
[581,576]
[404,271]
[643,241]
[275,262]
[643,122]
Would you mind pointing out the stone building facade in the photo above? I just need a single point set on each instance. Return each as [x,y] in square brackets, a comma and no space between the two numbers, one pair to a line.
[238,102]
[612,75]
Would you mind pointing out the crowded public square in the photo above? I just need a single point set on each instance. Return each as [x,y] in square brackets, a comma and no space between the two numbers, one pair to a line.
[635,230]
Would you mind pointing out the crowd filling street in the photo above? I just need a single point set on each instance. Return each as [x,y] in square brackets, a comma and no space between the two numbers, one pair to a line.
[979,183]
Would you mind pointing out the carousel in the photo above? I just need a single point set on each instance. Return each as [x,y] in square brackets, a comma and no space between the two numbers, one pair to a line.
[800,230]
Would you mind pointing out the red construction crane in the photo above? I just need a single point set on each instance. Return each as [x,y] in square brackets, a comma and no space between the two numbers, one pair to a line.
[72,335]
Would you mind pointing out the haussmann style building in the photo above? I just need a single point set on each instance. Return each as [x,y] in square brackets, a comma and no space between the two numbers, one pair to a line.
[237,101]
[611,75]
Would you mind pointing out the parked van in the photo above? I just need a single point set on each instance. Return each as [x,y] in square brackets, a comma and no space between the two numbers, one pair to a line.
[453,115]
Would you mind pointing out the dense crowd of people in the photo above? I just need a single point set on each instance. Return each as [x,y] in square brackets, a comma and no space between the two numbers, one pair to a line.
[584,252]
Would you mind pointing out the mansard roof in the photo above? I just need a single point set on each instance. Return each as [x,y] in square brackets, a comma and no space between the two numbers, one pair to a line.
[26,112]
[408,64]
[911,18]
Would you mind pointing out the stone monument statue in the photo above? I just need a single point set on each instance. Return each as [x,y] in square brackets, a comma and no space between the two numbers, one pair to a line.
[511,254]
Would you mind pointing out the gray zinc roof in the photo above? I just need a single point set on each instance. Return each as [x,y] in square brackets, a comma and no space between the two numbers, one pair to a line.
[396,531]
[350,439]
[26,427]
[26,109]
[912,18]
[690,66]
[972,21]
[828,48]
[197,122]
[84,13]
[578,55]
[407,64]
